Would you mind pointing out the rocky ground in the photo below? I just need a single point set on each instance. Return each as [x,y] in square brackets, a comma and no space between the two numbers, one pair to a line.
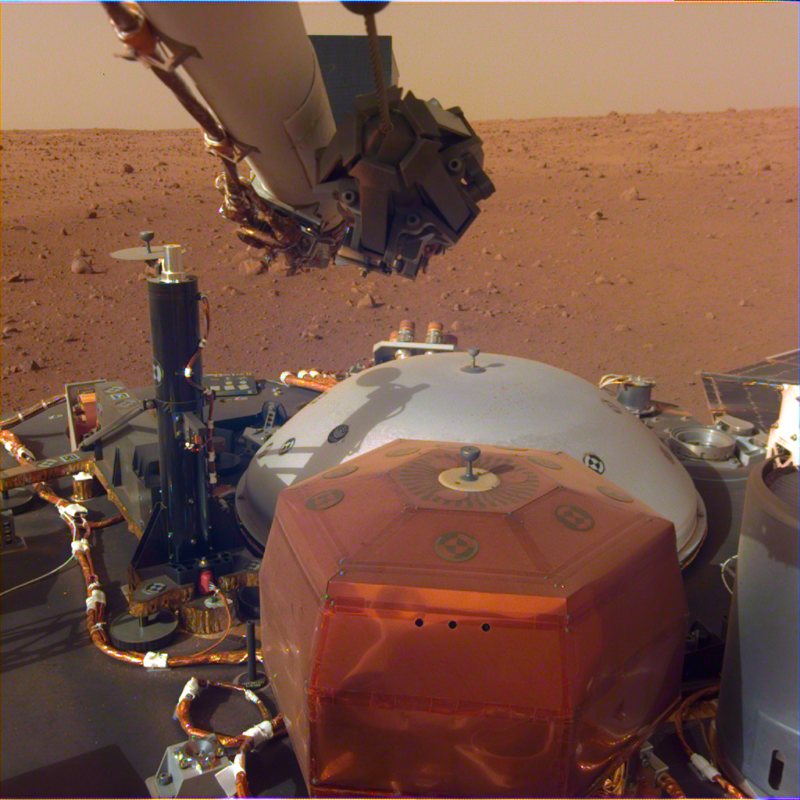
[659,244]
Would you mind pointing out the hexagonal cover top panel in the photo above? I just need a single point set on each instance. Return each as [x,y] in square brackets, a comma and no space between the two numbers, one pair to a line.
[385,517]
[520,481]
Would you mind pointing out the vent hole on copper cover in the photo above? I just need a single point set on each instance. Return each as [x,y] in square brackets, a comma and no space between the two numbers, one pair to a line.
[486,626]
[452,624]
[419,623]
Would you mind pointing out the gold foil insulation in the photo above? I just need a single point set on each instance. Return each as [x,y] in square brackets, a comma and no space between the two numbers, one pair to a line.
[205,615]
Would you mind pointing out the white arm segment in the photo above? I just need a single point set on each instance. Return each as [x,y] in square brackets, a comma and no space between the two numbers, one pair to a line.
[258,72]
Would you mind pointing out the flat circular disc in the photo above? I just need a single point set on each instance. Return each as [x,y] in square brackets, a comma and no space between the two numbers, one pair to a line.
[454,479]
[139,254]
[127,634]
[18,499]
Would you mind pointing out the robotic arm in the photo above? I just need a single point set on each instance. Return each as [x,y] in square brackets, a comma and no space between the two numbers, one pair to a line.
[384,194]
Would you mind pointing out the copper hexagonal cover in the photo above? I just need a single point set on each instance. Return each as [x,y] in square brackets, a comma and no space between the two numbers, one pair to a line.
[423,640]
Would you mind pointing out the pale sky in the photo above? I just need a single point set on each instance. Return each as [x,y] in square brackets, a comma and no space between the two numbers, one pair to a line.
[495,60]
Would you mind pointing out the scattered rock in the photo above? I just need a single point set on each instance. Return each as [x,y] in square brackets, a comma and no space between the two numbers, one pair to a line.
[454,326]
[538,263]
[80,266]
[79,253]
[499,257]
[30,365]
[91,214]
[458,307]
[602,279]
[252,267]
[710,315]
[17,227]
[486,251]
[127,169]
[366,301]
[14,277]
[597,214]
[630,194]
[9,329]
[621,328]
[64,231]
[693,146]
[745,303]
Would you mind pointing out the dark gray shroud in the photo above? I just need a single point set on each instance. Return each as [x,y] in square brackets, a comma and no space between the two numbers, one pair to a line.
[757,721]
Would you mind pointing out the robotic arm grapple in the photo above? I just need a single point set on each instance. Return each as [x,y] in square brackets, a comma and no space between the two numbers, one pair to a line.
[408,193]
[398,183]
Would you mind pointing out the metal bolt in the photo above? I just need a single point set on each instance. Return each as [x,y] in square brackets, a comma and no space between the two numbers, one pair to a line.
[470,454]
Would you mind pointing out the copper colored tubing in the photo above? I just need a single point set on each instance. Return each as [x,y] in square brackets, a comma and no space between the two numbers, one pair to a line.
[321,377]
[306,383]
[726,785]
[729,787]
[247,746]
[183,707]
[105,523]
[24,456]
[242,784]
[31,410]
[683,709]
[670,785]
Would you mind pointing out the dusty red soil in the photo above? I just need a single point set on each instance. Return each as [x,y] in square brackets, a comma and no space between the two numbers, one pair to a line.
[701,273]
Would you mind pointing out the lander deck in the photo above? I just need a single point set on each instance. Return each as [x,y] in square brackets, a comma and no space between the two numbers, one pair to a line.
[77,724]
